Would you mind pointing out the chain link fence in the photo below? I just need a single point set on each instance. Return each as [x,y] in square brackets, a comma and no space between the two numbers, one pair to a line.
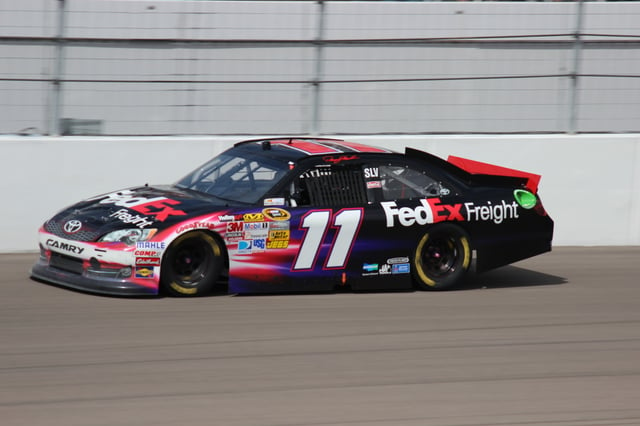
[323,67]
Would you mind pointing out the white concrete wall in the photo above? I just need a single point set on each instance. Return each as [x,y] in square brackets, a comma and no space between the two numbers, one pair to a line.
[590,183]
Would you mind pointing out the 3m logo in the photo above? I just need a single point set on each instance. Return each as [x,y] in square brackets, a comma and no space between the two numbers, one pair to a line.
[235,227]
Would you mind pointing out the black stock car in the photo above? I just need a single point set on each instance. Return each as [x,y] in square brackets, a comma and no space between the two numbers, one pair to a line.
[299,214]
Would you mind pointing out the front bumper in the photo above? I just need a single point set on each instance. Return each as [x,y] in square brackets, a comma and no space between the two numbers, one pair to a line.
[110,286]
[93,269]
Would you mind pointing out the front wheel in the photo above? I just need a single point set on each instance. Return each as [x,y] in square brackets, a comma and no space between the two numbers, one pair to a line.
[442,257]
[192,265]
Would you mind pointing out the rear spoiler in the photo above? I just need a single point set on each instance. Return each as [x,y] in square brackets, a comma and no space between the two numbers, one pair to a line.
[479,168]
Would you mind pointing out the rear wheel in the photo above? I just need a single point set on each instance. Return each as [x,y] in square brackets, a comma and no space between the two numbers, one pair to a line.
[442,257]
[192,264]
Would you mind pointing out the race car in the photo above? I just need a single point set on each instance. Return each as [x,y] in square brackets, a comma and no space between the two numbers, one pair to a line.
[299,215]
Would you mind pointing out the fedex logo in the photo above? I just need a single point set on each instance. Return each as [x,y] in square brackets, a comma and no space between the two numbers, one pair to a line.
[160,207]
[429,211]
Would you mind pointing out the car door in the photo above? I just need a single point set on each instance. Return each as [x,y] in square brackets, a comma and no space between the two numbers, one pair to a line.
[341,229]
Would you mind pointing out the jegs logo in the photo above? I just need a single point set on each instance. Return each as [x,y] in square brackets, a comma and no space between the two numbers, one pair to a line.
[158,207]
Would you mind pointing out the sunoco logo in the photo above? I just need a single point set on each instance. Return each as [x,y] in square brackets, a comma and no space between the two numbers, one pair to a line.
[275,213]
[72,226]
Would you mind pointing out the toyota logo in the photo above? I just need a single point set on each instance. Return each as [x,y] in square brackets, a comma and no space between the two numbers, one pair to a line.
[72,226]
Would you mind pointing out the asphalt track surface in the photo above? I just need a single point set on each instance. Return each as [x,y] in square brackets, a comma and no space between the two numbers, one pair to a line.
[553,340]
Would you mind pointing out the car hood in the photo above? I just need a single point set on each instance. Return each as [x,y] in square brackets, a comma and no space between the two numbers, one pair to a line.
[143,207]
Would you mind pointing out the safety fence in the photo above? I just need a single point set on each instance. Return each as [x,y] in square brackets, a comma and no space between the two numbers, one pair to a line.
[322,67]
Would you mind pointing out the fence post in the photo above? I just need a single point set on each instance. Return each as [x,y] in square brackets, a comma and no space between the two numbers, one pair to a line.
[317,90]
[56,78]
[577,54]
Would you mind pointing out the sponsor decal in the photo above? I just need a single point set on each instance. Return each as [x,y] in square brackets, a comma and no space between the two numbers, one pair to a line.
[253,230]
[400,268]
[245,246]
[394,260]
[124,216]
[282,226]
[442,212]
[370,267]
[279,235]
[407,216]
[335,159]
[144,272]
[195,225]
[235,231]
[496,213]
[147,253]
[385,269]
[259,244]
[226,218]
[72,226]
[374,184]
[158,207]
[277,244]
[433,211]
[154,245]
[69,248]
[148,261]
[253,217]
[274,201]
[276,214]
[371,172]
[278,239]
[255,226]
[235,227]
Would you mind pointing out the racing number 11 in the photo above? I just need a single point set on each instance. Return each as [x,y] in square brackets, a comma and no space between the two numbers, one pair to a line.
[316,224]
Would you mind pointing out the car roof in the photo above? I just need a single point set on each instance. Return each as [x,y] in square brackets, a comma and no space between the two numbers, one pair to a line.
[295,148]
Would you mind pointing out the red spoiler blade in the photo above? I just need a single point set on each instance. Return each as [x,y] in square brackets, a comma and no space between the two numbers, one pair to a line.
[477,167]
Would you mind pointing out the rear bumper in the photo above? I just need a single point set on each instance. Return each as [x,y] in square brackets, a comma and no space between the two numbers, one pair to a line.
[514,246]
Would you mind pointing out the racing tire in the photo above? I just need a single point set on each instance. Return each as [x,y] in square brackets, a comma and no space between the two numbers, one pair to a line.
[192,264]
[442,258]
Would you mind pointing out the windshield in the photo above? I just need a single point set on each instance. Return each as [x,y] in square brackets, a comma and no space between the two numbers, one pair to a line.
[234,178]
